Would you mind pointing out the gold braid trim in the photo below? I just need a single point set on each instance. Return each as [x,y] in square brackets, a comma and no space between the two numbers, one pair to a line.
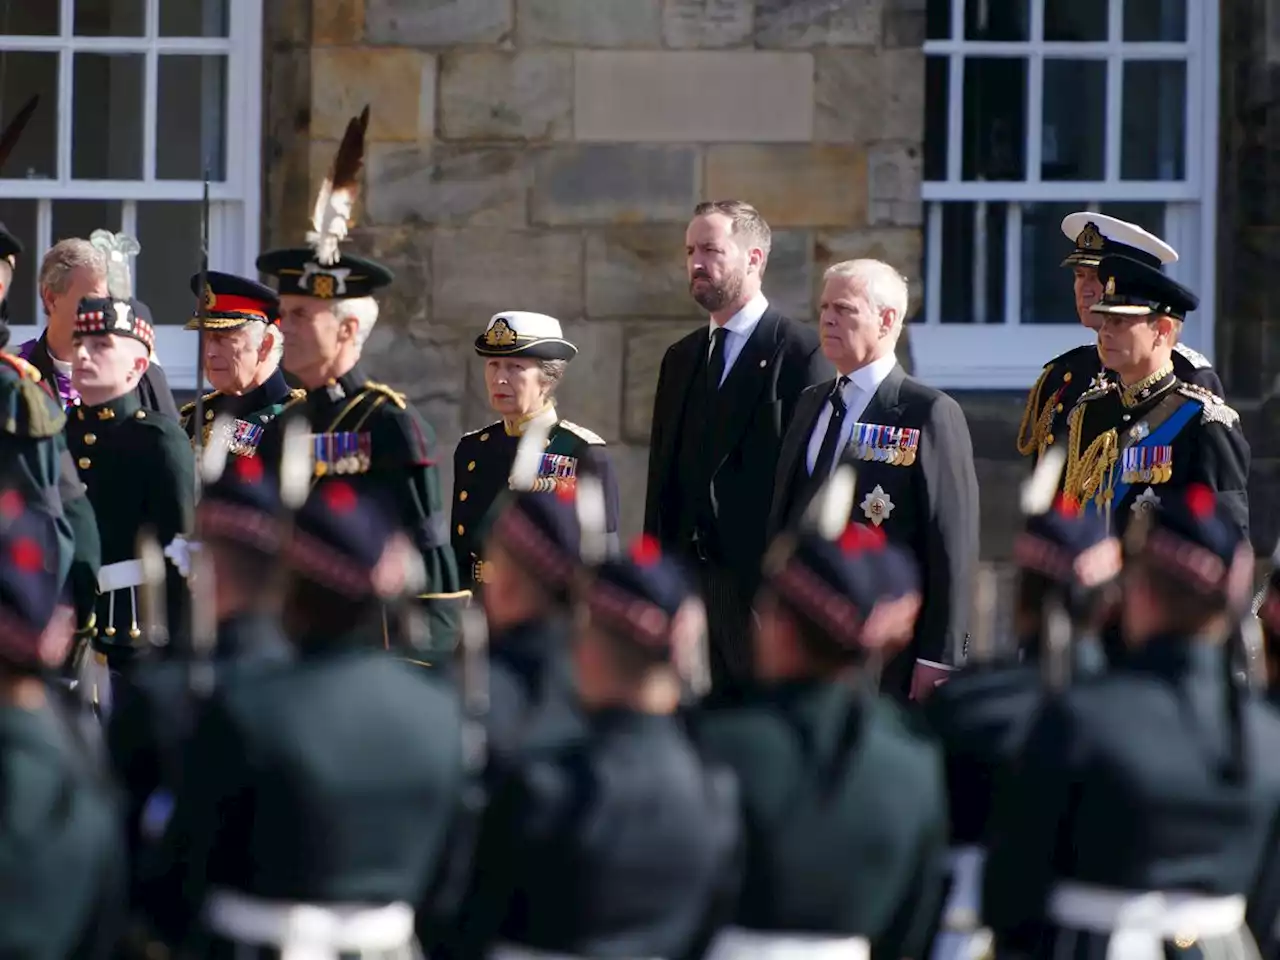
[1028,445]
[1090,475]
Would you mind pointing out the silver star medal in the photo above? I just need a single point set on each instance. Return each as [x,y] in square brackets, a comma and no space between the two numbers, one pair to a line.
[877,506]
[1139,432]
[1147,500]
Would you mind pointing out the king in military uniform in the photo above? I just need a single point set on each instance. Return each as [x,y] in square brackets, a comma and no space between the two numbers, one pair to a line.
[1065,378]
[1134,439]
[241,359]
[525,356]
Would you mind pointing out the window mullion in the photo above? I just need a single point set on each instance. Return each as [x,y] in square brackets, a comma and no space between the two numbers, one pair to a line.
[933,266]
[44,240]
[1013,264]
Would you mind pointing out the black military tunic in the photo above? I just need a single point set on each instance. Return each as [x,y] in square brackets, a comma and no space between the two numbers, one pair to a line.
[844,813]
[252,411]
[138,471]
[482,465]
[1066,377]
[1143,443]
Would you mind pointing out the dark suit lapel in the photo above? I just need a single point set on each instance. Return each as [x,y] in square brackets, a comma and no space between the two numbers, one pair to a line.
[752,371]
[42,360]
[687,363]
[794,467]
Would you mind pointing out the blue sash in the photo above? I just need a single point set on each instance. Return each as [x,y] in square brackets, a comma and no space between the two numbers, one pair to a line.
[1161,436]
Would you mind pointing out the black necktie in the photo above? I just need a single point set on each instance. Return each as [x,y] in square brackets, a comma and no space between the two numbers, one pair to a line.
[715,364]
[827,452]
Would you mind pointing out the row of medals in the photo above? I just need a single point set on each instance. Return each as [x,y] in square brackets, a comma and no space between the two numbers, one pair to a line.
[897,456]
[1160,473]
[354,463]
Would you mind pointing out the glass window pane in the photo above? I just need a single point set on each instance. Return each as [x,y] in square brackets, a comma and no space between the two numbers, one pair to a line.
[1154,122]
[19,218]
[192,93]
[995,95]
[1047,295]
[106,117]
[1075,128]
[938,19]
[109,18]
[1075,21]
[29,19]
[936,85]
[973,262]
[1149,216]
[1151,21]
[996,19]
[26,74]
[169,233]
[79,218]
[193,18]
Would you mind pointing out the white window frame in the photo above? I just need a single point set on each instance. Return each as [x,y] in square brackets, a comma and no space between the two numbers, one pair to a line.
[234,202]
[1010,355]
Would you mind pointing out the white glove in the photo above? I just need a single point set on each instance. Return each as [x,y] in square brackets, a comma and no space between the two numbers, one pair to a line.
[179,552]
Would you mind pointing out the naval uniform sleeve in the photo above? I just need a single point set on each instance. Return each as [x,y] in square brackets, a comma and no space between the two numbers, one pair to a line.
[1220,460]
[951,532]
[598,462]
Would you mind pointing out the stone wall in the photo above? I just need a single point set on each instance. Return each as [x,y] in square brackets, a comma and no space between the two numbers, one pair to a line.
[546,154]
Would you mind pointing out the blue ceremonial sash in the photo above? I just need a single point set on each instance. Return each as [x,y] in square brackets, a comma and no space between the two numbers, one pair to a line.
[1161,436]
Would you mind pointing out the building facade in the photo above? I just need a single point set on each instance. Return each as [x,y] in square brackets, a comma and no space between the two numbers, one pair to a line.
[546,154]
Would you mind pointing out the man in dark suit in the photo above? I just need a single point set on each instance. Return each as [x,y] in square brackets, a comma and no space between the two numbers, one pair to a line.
[725,398]
[916,478]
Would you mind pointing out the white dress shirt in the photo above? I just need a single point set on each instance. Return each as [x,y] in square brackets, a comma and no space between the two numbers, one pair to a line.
[862,386]
[738,330]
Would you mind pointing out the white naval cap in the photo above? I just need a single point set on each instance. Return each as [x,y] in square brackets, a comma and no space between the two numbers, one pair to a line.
[518,333]
[1097,235]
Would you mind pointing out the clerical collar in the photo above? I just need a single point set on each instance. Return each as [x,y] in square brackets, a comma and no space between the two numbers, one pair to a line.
[547,415]
[61,366]
[1148,386]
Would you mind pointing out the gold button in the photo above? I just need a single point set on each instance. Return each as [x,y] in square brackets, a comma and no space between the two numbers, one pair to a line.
[1049,439]
[1058,408]
[471,466]
[1066,377]
[461,529]
[462,495]
[208,414]
[84,463]
[140,415]
[91,438]
[484,437]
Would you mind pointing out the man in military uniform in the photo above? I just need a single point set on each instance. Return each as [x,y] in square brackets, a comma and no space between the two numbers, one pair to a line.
[136,465]
[1135,439]
[242,354]
[1065,378]
[365,766]
[525,356]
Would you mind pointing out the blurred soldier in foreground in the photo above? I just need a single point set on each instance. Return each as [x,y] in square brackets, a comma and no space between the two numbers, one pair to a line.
[241,360]
[323,789]
[844,810]
[1134,822]
[1068,376]
[618,842]
[63,868]
[364,430]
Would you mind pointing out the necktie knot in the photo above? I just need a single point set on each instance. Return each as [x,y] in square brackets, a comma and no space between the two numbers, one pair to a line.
[837,397]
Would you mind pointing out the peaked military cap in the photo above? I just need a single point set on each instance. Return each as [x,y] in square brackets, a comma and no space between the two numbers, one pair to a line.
[640,597]
[10,246]
[98,317]
[232,301]
[298,271]
[1096,236]
[1135,289]
[242,505]
[30,584]
[541,533]
[517,333]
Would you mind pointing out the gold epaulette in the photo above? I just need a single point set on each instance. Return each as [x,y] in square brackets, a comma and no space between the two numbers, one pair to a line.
[1089,475]
[496,425]
[582,432]
[189,408]
[26,369]
[1031,436]
[1213,409]
[394,396]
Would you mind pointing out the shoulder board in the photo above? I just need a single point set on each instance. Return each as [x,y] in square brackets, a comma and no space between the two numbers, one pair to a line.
[496,425]
[1195,357]
[583,432]
[297,393]
[394,396]
[189,408]
[25,369]
[1214,408]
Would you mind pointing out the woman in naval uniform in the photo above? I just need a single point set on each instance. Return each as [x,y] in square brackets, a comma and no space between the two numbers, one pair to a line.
[525,358]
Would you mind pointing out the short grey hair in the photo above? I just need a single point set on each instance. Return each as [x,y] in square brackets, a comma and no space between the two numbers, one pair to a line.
[552,372]
[259,330]
[884,287]
[64,258]
[364,311]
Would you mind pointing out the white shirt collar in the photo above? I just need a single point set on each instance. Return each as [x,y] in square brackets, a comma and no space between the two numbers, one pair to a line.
[61,366]
[869,378]
[745,320]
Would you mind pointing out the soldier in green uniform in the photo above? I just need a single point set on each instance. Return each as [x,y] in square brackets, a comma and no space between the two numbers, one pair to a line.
[63,865]
[843,804]
[1136,439]
[324,789]
[620,840]
[1135,820]
[243,348]
[525,356]
[1065,378]
[137,467]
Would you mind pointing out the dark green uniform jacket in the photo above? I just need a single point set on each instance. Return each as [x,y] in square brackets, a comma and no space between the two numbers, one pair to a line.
[1122,784]
[616,844]
[256,409]
[844,812]
[62,859]
[371,435]
[138,470]
[329,780]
